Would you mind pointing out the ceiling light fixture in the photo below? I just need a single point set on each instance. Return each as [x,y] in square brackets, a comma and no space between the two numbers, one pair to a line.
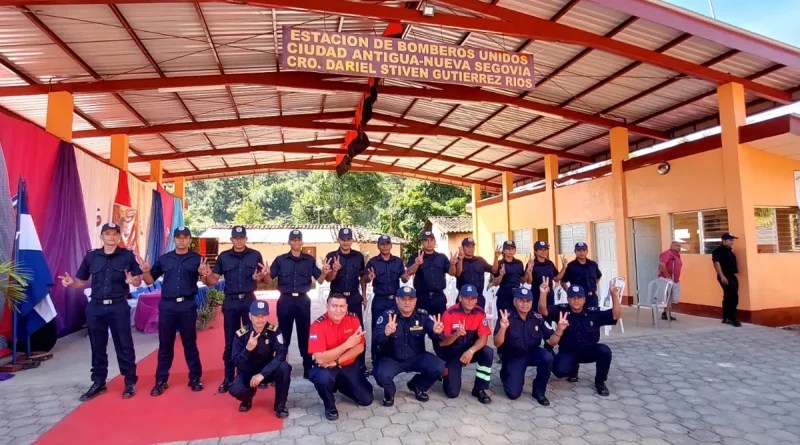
[428,10]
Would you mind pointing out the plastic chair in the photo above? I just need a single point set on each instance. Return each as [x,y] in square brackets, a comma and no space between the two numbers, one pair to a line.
[606,303]
[323,291]
[491,305]
[658,292]
[450,292]
[370,297]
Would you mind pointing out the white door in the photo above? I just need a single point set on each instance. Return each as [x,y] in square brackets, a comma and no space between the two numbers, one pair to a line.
[647,247]
[605,253]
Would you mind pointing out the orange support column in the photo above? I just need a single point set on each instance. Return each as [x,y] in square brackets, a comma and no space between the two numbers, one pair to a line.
[119,151]
[156,172]
[619,154]
[60,113]
[476,196]
[741,216]
[549,211]
[508,186]
[180,191]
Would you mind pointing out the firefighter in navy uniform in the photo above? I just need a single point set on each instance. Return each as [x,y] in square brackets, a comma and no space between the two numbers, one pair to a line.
[400,334]
[510,274]
[466,334]
[539,268]
[243,268]
[583,272]
[177,309]
[112,270]
[259,352]
[430,275]
[294,271]
[471,269]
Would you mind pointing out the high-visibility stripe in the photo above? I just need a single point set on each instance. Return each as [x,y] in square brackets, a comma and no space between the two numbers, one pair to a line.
[483,373]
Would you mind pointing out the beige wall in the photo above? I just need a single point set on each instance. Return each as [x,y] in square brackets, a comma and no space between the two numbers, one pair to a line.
[454,241]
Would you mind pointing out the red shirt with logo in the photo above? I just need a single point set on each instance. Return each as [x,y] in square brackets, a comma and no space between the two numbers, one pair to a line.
[326,335]
[475,321]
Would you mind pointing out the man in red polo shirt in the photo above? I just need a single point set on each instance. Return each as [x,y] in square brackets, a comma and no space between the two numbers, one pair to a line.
[466,332]
[669,266]
[336,339]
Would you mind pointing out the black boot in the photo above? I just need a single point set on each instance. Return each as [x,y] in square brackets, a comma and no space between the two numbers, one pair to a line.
[481,396]
[159,389]
[95,390]
[245,407]
[130,391]
[282,412]
[223,388]
[421,395]
[196,385]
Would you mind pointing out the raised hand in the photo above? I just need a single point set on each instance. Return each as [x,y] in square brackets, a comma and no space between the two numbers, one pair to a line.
[144,264]
[391,326]
[462,328]
[438,326]
[461,253]
[326,266]
[454,258]
[404,277]
[498,251]
[504,323]
[420,259]
[615,290]
[129,278]
[337,265]
[66,280]
[259,273]
[529,265]
[562,322]
[355,339]
[371,273]
[256,380]
[502,270]
[204,270]
[564,260]
[252,342]
[544,288]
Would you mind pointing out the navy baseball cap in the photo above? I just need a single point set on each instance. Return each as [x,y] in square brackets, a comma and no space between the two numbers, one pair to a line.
[259,308]
[469,290]
[406,291]
[345,233]
[468,242]
[110,226]
[524,293]
[576,291]
[384,239]
[509,244]
[541,245]
[581,246]
[727,235]
[295,234]
[238,232]
[426,235]
[182,230]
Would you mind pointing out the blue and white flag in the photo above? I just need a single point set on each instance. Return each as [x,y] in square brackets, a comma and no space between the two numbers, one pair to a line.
[37,309]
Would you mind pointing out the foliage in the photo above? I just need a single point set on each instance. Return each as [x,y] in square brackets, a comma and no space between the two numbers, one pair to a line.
[13,283]
[249,213]
[207,311]
[328,199]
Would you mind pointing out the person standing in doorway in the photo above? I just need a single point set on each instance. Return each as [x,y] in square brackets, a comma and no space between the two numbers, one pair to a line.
[669,266]
[585,273]
[725,264]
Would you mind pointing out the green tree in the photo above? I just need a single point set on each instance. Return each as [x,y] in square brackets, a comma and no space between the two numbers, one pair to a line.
[352,199]
[249,213]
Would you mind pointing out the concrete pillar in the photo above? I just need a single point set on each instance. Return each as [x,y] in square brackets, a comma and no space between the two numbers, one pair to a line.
[156,172]
[619,154]
[119,151]
[549,211]
[508,186]
[476,196]
[60,114]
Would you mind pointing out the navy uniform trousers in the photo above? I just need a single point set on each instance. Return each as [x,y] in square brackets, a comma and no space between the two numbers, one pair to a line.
[181,317]
[243,392]
[348,380]
[567,363]
[429,369]
[452,381]
[512,372]
[236,313]
[296,310]
[116,316]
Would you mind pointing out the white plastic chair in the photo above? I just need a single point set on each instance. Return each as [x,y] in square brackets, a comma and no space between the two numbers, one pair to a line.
[323,290]
[658,293]
[370,297]
[450,291]
[491,305]
[606,303]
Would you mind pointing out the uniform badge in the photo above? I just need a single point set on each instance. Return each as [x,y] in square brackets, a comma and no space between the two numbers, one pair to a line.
[266,341]
[416,322]
[241,331]
[591,323]
[112,225]
[346,231]
[407,289]
[261,305]
[536,328]
[238,229]
[346,331]
[279,338]
[456,325]
[313,337]
[486,322]
[380,320]
[575,288]
[181,228]
[295,232]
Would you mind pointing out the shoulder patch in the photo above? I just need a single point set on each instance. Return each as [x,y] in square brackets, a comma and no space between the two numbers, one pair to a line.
[352,314]
[452,309]
[422,311]
[242,331]
[322,318]
[272,327]
[564,306]
[592,309]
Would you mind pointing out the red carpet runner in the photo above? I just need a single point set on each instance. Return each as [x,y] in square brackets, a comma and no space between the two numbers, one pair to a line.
[177,415]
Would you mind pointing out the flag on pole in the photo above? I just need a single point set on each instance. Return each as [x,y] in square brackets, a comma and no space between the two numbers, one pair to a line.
[37,309]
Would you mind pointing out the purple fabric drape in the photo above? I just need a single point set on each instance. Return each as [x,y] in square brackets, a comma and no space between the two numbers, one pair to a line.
[65,238]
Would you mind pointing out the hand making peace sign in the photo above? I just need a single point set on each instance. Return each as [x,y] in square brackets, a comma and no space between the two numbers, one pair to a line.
[504,323]
[259,273]
[438,326]
[337,265]
[544,288]
[371,273]
[129,278]
[391,326]
[355,339]
[326,266]
[66,280]
[562,322]
[419,259]
[252,342]
[462,328]
[204,270]
[144,264]
[502,270]
[454,258]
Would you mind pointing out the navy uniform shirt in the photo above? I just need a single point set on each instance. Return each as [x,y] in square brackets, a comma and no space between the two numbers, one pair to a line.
[541,270]
[387,274]
[294,273]
[108,272]
[726,259]
[266,357]
[472,272]
[584,326]
[348,279]
[238,268]
[523,335]
[513,276]
[584,275]
[431,275]
[180,274]
[408,340]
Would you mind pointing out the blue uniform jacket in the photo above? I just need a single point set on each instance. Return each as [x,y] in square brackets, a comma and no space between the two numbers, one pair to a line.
[108,272]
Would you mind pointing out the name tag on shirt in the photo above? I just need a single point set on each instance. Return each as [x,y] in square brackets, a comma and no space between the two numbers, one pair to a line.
[416,328]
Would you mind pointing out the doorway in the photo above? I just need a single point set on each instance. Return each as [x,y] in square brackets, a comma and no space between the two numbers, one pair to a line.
[605,240]
[646,248]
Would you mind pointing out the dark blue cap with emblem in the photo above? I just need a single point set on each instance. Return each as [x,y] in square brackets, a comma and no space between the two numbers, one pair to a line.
[259,308]
[581,246]
[345,233]
[576,291]
[238,232]
[295,234]
[110,226]
[384,239]
[524,293]
[468,242]
[509,244]
[406,291]
[728,235]
[541,245]
[469,290]
[426,235]
[182,230]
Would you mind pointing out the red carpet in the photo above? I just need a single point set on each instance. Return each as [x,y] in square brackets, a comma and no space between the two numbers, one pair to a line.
[177,415]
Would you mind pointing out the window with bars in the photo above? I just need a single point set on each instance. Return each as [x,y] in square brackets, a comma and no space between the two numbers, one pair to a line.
[569,235]
[777,229]
[699,232]
[523,240]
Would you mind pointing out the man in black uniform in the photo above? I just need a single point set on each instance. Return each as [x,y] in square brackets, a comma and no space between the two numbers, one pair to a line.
[345,277]
[510,275]
[471,269]
[540,268]
[259,352]
[430,275]
[384,271]
[242,268]
[177,309]
[583,272]
[112,270]
[726,267]
[294,271]
[400,335]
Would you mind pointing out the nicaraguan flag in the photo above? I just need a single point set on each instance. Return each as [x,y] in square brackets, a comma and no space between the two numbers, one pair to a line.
[37,309]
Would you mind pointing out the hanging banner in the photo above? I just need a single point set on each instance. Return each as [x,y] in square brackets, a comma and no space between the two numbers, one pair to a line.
[386,57]
[125,216]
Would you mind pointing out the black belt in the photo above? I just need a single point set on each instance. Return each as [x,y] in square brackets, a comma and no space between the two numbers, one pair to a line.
[107,301]
[387,296]
[346,294]
[179,299]
[294,294]
[239,296]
